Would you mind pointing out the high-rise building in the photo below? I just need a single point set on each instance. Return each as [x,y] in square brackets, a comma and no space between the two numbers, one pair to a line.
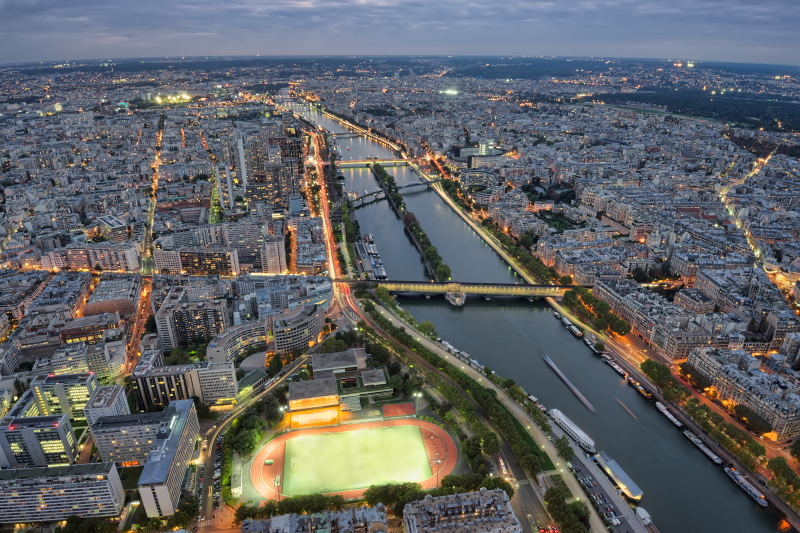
[126,440]
[67,394]
[38,441]
[212,383]
[113,228]
[190,322]
[55,493]
[197,261]
[273,255]
[162,477]
[70,359]
[109,400]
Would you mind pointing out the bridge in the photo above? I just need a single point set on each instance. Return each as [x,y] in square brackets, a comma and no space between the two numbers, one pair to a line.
[356,163]
[481,289]
[381,193]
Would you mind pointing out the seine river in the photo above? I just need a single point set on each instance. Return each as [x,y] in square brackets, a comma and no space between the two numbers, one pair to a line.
[683,490]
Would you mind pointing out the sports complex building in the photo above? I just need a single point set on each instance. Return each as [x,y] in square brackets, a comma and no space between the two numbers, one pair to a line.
[341,442]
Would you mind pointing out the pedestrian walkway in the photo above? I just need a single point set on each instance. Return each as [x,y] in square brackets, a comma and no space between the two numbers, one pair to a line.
[621,508]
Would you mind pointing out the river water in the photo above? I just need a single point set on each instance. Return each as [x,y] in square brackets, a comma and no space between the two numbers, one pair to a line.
[683,490]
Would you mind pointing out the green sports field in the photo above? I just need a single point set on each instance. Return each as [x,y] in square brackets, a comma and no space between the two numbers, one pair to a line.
[336,462]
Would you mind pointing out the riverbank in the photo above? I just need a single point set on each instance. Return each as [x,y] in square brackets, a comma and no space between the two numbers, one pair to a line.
[682,486]
[516,410]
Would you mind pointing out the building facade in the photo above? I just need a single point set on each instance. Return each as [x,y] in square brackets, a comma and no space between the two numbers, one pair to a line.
[52,494]
[162,477]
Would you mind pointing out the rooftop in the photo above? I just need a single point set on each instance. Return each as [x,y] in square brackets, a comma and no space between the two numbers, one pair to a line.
[303,390]
[167,440]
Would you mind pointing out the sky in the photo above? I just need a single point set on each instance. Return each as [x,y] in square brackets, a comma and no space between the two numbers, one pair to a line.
[746,31]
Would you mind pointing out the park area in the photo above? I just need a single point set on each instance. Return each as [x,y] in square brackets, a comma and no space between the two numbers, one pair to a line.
[348,459]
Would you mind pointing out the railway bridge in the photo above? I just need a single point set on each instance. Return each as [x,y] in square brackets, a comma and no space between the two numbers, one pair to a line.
[480,289]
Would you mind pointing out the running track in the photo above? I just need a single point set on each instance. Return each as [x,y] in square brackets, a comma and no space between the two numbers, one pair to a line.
[263,476]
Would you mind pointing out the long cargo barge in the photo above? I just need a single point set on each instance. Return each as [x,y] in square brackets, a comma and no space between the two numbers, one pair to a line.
[569,384]
[697,441]
[572,430]
[619,476]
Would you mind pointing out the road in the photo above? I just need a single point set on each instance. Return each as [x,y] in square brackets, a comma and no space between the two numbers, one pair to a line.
[516,410]
[207,456]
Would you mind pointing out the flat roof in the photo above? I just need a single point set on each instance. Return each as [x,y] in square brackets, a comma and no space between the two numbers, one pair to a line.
[160,460]
[104,396]
[303,390]
[374,377]
[89,469]
[334,361]
[252,378]
[117,421]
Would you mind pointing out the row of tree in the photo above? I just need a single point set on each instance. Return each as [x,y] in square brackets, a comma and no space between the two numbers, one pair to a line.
[565,514]
[390,186]
[737,441]
[396,495]
[527,453]
[429,251]
[596,311]
[310,503]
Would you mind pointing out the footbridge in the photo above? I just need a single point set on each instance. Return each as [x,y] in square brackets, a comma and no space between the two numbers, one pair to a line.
[381,193]
[480,289]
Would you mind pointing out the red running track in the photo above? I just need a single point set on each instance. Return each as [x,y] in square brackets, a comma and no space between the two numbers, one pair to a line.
[263,476]
[398,409]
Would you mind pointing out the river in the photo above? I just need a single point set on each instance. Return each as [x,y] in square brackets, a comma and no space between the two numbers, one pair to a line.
[683,490]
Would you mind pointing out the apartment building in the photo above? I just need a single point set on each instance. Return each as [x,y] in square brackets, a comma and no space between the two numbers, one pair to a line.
[55,493]
[162,477]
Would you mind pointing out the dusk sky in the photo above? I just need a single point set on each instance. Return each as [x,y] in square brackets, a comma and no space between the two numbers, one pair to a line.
[757,31]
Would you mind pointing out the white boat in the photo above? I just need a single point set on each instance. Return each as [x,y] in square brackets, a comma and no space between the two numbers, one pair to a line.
[664,411]
[748,487]
[572,430]
[456,298]
[697,441]
[644,516]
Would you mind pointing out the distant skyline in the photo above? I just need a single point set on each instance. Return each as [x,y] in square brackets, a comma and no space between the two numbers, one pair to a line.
[745,31]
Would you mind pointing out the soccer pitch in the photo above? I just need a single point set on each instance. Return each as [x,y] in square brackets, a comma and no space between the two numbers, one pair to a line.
[336,462]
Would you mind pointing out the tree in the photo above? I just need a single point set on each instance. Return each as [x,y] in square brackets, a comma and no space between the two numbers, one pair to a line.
[491,443]
[396,382]
[443,272]
[599,346]
[275,365]
[756,422]
[564,448]
[796,450]
[428,329]
[497,482]
[150,324]
[76,524]
[565,280]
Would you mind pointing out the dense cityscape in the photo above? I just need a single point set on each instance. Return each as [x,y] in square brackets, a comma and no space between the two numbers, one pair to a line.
[382,294]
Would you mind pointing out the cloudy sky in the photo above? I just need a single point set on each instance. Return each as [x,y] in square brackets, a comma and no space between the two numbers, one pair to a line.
[757,31]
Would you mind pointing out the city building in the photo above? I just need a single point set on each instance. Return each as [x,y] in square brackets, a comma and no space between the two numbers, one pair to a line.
[340,379]
[162,477]
[38,441]
[66,394]
[237,341]
[113,228]
[212,383]
[109,400]
[187,323]
[482,511]
[118,294]
[296,329]
[126,439]
[197,261]
[55,493]
[351,520]
[273,255]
